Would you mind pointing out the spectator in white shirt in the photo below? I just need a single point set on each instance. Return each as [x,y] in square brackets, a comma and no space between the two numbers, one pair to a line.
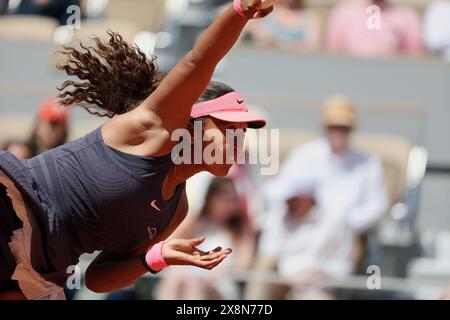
[437,28]
[349,194]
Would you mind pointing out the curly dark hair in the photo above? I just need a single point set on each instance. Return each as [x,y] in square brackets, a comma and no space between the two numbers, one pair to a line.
[116,77]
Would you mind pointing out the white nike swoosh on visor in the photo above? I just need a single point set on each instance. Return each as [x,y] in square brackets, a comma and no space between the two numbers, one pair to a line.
[153,204]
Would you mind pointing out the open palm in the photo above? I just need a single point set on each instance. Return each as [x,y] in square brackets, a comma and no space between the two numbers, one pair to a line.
[185,252]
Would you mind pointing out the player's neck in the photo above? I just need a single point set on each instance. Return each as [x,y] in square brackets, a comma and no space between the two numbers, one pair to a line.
[176,175]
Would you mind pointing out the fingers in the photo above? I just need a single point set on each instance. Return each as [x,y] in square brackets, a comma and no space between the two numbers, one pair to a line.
[216,249]
[205,256]
[199,252]
[249,7]
[214,263]
[211,263]
[213,255]
[257,4]
[185,259]
[185,245]
[254,4]
[197,241]
[262,13]
[219,250]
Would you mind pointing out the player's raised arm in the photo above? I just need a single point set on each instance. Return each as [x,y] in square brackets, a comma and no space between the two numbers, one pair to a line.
[173,99]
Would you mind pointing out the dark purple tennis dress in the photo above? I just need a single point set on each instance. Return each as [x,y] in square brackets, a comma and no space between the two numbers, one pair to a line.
[85,196]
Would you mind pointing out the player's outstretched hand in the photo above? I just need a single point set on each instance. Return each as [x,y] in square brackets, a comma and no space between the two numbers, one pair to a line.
[185,252]
[253,9]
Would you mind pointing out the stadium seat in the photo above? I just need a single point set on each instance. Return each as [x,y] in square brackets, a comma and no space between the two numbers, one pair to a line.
[27,28]
[19,126]
[127,29]
[98,28]
[148,15]
[15,127]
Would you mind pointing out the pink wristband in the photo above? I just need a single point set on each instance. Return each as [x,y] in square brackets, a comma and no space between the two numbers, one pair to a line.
[154,258]
[238,8]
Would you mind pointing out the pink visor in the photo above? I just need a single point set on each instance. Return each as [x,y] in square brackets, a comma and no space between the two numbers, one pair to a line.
[230,107]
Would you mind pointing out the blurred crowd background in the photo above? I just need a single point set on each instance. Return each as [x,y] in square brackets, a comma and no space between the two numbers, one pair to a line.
[358,209]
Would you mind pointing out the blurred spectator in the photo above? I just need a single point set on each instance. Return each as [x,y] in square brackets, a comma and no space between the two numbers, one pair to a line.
[437,28]
[245,180]
[3,7]
[354,29]
[290,25]
[51,129]
[222,222]
[325,196]
[20,149]
[50,8]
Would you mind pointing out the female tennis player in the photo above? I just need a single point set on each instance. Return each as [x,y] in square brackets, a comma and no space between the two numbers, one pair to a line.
[117,190]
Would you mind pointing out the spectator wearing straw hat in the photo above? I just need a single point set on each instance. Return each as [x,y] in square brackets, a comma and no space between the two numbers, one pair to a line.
[344,195]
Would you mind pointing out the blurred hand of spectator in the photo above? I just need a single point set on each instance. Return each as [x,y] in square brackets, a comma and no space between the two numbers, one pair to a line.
[350,29]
